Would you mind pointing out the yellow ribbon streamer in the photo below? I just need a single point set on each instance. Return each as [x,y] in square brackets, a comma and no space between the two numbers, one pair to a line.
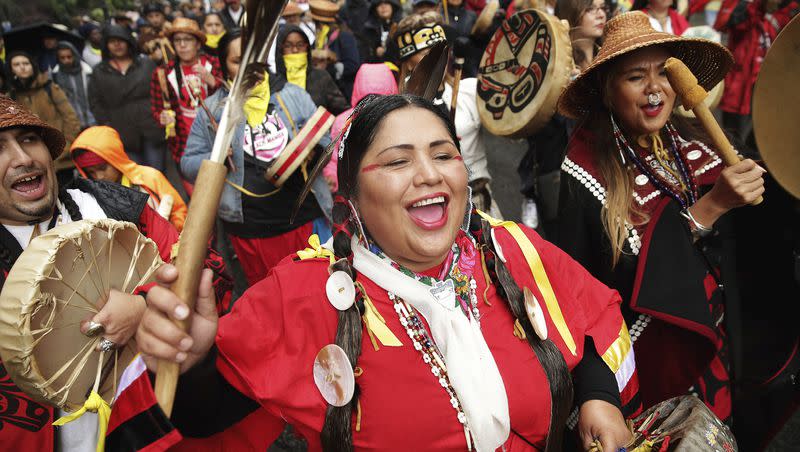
[539,277]
[257,103]
[316,250]
[393,67]
[169,130]
[95,404]
[376,324]
[322,37]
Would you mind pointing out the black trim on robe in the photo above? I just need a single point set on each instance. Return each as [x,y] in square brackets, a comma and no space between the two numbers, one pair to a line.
[205,403]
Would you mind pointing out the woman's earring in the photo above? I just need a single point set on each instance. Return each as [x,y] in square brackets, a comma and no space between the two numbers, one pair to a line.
[354,213]
[468,215]
[617,136]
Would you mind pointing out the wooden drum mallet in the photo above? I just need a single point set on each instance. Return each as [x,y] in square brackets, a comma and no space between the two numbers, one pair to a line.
[692,95]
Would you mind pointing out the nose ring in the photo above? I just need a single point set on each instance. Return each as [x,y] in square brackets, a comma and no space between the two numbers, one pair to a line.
[654,99]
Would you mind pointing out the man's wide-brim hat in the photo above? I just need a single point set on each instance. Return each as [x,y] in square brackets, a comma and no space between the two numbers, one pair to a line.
[14,115]
[323,10]
[186,25]
[707,60]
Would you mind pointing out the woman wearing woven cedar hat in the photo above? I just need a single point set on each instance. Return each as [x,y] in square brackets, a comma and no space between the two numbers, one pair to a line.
[190,78]
[642,207]
[459,330]
[255,211]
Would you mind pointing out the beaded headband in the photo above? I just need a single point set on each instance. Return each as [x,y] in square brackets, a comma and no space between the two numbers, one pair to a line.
[414,41]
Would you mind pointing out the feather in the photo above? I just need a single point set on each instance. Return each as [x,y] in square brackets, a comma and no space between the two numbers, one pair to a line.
[324,158]
[429,73]
[260,27]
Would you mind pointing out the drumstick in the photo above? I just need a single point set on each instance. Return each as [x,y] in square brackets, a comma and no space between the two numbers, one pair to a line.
[685,85]
[446,16]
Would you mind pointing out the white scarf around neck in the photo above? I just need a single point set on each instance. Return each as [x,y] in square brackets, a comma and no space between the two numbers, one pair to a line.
[471,367]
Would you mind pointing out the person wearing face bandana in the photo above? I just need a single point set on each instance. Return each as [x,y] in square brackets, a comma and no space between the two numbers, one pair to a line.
[255,213]
[293,61]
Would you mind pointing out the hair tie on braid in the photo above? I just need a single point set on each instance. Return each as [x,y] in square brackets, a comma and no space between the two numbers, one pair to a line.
[342,228]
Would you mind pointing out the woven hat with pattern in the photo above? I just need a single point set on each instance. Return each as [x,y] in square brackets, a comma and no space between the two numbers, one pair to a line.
[631,31]
[324,10]
[186,25]
[13,115]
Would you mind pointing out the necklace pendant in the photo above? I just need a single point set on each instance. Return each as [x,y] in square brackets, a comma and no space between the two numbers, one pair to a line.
[444,293]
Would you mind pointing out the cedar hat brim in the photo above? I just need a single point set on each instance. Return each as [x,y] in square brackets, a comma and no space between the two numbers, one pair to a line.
[14,115]
[182,25]
[707,60]
[326,19]
[323,10]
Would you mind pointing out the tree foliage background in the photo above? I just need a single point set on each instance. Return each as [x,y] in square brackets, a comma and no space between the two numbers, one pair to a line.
[21,12]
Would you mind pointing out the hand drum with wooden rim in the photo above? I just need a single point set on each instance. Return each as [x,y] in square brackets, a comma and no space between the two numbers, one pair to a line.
[62,278]
[522,73]
[775,108]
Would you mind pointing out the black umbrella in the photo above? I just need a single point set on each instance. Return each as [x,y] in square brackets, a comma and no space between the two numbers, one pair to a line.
[28,38]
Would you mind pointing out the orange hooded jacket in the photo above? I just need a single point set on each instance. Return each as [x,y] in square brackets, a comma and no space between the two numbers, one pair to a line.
[104,141]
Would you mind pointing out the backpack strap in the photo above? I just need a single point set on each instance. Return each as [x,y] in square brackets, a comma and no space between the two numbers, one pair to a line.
[540,277]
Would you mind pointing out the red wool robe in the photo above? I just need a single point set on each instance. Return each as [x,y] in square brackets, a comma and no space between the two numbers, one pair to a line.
[268,343]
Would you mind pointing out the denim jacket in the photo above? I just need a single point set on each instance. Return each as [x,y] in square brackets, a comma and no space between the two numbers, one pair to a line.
[200,142]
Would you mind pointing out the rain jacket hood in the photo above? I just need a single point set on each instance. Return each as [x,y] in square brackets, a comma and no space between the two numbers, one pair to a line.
[115,31]
[373,79]
[280,66]
[370,79]
[105,142]
[76,58]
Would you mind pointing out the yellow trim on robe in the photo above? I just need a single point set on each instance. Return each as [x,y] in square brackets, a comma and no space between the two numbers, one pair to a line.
[618,350]
[539,277]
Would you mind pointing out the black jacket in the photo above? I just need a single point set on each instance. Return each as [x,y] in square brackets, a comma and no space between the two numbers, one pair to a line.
[123,101]
[227,20]
[319,84]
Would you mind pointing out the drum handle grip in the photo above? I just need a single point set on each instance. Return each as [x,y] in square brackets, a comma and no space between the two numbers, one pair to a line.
[692,95]
[192,250]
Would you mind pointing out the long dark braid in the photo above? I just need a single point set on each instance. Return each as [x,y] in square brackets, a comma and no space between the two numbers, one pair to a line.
[72,208]
[176,65]
[550,357]
[336,432]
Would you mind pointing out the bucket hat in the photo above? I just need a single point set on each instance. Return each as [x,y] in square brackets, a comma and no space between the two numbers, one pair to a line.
[14,115]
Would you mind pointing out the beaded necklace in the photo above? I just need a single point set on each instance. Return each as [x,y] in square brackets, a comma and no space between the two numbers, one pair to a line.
[430,355]
[684,198]
[464,286]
